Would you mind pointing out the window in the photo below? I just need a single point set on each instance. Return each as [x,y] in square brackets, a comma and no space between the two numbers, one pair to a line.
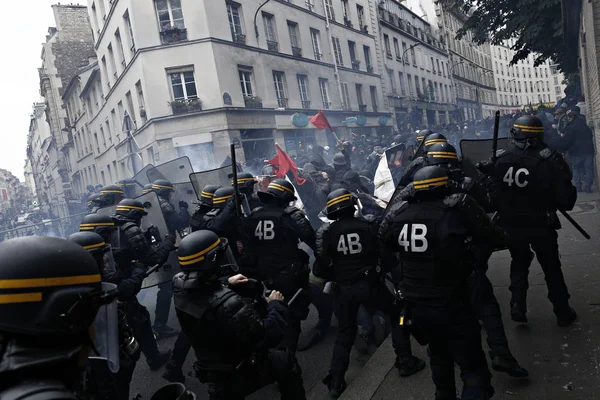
[403,51]
[310,5]
[246,81]
[392,81]
[432,65]
[556,80]
[345,10]
[183,85]
[120,47]
[397,48]
[418,86]
[235,21]
[437,61]
[116,125]
[103,136]
[435,92]
[519,86]
[410,84]
[345,96]
[367,52]
[130,30]
[280,90]
[95,17]
[443,69]
[413,56]
[108,131]
[361,16]
[337,51]
[294,35]
[529,72]
[111,59]
[324,89]
[359,95]
[170,14]
[105,71]
[303,90]
[547,86]
[373,91]
[329,10]
[386,42]
[97,142]
[424,86]
[270,31]
[140,99]
[102,9]
[316,43]
[130,109]
[150,152]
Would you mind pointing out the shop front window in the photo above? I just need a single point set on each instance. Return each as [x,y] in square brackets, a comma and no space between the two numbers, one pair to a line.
[299,142]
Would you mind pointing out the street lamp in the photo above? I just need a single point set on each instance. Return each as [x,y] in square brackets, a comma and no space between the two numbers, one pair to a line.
[535,88]
[452,80]
[403,71]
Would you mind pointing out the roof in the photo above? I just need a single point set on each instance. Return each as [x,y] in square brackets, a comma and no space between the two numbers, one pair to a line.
[76,77]
[90,80]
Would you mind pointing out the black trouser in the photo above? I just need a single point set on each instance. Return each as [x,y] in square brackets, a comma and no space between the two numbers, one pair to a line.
[349,300]
[138,318]
[163,304]
[454,337]
[488,312]
[180,350]
[544,242]
[278,366]
[105,385]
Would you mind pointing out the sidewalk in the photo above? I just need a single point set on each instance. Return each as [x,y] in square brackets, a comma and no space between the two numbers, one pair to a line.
[564,363]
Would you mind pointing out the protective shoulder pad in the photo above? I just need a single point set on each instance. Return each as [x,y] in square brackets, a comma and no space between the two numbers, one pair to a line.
[501,153]
[129,225]
[291,210]
[546,153]
[454,199]
[370,218]
[466,183]
[222,296]
[37,390]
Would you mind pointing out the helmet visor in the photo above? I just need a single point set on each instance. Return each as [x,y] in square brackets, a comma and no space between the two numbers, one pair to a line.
[110,267]
[106,332]
[226,259]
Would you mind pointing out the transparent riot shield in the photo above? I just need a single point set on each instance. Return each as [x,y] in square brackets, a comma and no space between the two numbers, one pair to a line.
[108,210]
[474,151]
[218,176]
[395,153]
[175,171]
[141,177]
[155,229]
[408,156]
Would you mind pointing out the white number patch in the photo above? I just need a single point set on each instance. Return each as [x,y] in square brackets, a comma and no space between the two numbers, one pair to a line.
[517,178]
[418,240]
[349,244]
[264,230]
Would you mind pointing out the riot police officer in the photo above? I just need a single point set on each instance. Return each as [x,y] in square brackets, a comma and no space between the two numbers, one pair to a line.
[348,252]
[110,195]
[129,187]
[102,384]
[274,232]
[431,233]
[532,182]
[224,221]
[135,247]
[482,297]
[420,159]
[246,182]
[175,222]
[147,188]
[93,202]
[233,342]
[46,315]
[206,204]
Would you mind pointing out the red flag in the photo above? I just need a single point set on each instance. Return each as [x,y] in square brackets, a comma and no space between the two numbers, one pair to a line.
[284,164]
[320,121]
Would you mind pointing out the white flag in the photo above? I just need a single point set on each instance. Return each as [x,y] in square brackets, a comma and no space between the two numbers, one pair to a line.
[384,183]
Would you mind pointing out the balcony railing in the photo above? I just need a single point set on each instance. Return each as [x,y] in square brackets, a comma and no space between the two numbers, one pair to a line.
[173,35]
[253,102]
[282,102]
[239,38]
[272,45]
[306,104]
[185,106]
[356,65]
[296,51]
[326,105]
[362,108]
[318,56]
[374,107]
[369,68]
[388,54]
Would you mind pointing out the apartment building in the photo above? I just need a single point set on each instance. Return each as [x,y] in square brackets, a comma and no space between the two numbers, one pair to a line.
[524,84]
[416,81]
[470,66]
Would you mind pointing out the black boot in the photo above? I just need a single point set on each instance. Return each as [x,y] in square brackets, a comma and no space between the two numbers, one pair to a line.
[518,313]
[314,336]
[509,365]
[565,316]
[173,372]
[335,383]
[158,360]
[164,331]
[410,365]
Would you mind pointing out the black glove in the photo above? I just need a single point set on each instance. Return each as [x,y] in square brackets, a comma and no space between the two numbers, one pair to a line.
[183,204]
[485,166]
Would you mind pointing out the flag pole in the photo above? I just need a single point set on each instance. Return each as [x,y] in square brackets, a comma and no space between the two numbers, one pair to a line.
[236,194]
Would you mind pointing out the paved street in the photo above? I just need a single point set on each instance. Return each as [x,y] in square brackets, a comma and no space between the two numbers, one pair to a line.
[564,363]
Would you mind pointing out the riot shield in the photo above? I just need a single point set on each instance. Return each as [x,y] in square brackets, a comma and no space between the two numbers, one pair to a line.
[175,171]
[474,151]
[395,154]
[218,176]
[141,177]
[108,210]
[156,236]
[408,156]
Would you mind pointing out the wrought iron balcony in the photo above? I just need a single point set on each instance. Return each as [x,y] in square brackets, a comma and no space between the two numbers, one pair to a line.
[282,102]
[173,35]
[253,102]
[362,108]
[185,106]
[239,38]
[272,45]
[296,51]
[306,104]
[326,105]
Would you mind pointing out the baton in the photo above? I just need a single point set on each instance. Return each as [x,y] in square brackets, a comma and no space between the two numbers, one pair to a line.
[152,270]
[236,196]
[495,137]
[295,297]
[575,224]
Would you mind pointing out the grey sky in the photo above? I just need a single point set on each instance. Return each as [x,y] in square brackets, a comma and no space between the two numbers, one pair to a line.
[21,48]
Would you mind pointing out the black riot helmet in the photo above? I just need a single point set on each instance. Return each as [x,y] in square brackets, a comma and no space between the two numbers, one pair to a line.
[98,223]
[246,182]
[147,188]
[340,202]
[111,195]
[221,196]
[163,188]
[434,138]
[278,189]
[129,187]
[203,251]
[423,133]
[527,128]
[93,243]
[51,296]
[131,208]
[208,192]
[93,201]
[431,182]
[339,159]
[442,154]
